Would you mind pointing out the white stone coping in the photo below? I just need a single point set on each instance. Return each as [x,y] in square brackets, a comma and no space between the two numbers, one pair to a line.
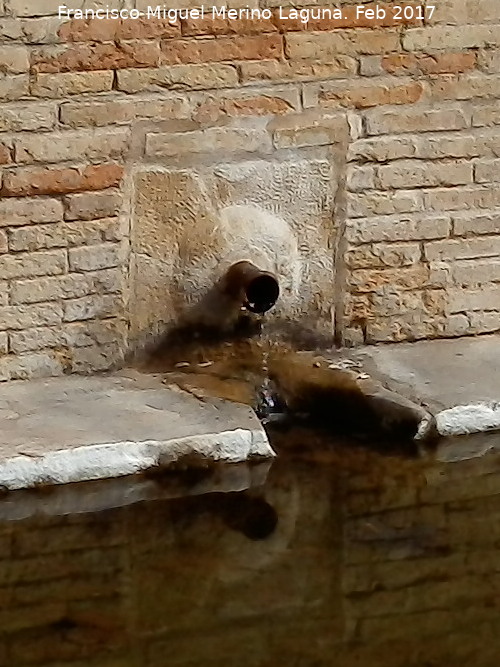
[100,461]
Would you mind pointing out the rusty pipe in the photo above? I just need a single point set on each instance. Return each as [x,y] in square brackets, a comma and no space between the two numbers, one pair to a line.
[257,290]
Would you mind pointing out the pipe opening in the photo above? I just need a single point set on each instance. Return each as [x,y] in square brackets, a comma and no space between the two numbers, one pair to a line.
[255,289]
[262,293]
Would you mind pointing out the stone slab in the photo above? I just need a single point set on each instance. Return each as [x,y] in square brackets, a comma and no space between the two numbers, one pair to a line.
[74,428]
[458,380]
[102,495]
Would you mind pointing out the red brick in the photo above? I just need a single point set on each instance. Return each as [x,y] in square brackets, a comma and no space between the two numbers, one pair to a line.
[60,181]
[81,57]
[439,63]
[109,30]
[239,47]
[348,20]
[221,26]
[212,110]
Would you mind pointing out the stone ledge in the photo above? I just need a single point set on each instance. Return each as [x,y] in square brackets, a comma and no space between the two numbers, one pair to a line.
[73,429]
[457,380]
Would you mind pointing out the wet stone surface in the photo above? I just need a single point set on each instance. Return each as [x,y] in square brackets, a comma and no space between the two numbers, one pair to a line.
[344,555]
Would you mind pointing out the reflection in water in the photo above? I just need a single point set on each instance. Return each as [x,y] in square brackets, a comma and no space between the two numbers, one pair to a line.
[349,557]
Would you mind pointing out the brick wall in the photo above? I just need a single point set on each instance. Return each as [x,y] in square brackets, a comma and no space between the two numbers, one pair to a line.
[417,207]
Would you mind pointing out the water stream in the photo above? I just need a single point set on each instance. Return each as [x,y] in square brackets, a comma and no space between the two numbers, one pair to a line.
[268,404]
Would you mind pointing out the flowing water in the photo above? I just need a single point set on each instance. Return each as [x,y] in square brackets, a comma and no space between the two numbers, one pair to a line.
[334,555]
[267,403]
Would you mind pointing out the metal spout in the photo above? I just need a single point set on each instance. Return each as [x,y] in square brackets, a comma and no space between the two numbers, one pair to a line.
[257,290]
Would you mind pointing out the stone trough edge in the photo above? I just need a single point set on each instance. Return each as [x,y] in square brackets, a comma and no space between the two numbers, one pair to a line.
[468,419]
[107,460]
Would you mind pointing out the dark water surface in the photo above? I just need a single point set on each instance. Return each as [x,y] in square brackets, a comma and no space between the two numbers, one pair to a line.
[335,556]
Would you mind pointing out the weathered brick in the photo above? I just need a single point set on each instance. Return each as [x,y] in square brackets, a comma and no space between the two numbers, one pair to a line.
[416,173]
[193,77]
[24,317]
[32,181]
[391,302]
[22,117]
[92,232]
[452,12]
[418,63]
[361,178]
[208,25]
[13,59]
[41,30]
[33,8]
[36,338]
[15,212]
[383,149]
[68,286]
[366,204]
[321,47]
[97,358]
[38,365]
[239,47]
[415,120]
[454,249]
[367,95]
[463,300]
[44,263]
[96,257]
[13,87]
[37,237]
[487,171]
[95,306]
[10,29]
[72,145]
[407,278]
[92,205]
[483,11]
[280,101]
[110,30]
[97,113]
[464,87]
[413,325]
[3,242]
[279,70]
[475,271]
[486,115]
[371,66]
[97,56]
[379,255]
[210,140]
[308,129]
[457,325]
[488,322]
[98,332]
[4,293]
[489,61]
[4,343]
[395,228]
[429,146]
[450,37]
[469,223]
[5,153]
[460,198]
[70,83]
